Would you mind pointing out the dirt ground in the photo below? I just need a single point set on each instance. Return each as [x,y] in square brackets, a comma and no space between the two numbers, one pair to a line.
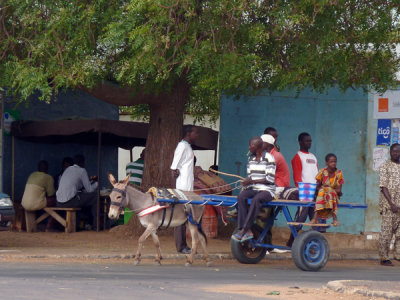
[89,243]
[287,293]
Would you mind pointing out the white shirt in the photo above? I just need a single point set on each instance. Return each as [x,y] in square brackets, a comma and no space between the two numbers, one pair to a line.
[309,167]
[184,162]
[72,181]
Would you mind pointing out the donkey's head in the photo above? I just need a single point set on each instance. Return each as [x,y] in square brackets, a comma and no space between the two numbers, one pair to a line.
[117,197]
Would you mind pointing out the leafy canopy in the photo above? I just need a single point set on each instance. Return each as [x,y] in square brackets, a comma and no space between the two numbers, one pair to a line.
[234,46]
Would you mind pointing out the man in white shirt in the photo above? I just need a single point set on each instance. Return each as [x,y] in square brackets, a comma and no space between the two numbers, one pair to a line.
[76,190]
[183,170]
[305,168]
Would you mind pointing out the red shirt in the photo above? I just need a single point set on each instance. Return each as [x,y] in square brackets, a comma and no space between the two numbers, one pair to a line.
[305,167]
[282,173]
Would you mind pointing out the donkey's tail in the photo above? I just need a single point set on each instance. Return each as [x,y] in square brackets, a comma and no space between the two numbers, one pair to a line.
[191,219]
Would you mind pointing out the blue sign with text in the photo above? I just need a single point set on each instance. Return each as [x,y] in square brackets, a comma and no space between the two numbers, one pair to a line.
[383,134]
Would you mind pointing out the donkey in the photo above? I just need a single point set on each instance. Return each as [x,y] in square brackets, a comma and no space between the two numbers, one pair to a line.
[124,195]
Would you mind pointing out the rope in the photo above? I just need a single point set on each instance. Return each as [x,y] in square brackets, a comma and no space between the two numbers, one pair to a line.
[228,184]
[227,174]
[236,184]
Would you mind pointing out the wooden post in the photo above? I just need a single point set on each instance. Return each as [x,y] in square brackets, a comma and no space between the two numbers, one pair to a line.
[130,155]
[98,178]
[12,168]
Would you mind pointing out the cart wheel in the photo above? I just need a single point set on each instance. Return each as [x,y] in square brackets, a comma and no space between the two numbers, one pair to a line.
[246,254]
[310,251]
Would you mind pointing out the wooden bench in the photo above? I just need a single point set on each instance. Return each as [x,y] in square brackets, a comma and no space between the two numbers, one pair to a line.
[69,222]
[308,224]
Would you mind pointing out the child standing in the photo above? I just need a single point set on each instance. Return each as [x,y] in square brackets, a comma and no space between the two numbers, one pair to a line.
[329,187]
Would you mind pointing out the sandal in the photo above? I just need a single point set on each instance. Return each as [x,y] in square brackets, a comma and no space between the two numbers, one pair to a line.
[247,237]
[237,237]
[386,263]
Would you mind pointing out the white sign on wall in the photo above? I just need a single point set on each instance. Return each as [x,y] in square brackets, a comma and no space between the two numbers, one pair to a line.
[387,105]
[380,155]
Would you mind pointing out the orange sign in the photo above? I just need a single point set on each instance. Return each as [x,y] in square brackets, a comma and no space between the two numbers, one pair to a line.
[383,105]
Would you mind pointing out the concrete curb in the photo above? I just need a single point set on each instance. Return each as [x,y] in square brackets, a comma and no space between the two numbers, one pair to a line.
[214,256]
[362,288]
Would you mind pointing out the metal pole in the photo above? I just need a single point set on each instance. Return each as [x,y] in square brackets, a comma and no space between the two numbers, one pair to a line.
[98,178]
[12,168]
[2,142]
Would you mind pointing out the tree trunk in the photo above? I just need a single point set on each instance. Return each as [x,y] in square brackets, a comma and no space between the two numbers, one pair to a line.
[165,131]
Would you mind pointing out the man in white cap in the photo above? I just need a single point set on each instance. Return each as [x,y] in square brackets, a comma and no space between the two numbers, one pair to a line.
[259,186]
[282,173]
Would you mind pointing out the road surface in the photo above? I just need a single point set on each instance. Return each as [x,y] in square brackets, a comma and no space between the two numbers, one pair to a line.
[122,280]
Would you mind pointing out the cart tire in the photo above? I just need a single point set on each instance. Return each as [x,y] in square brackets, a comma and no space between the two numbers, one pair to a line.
[310,251]
[244,254]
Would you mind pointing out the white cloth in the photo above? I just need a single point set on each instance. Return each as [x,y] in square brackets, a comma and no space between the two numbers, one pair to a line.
[72,181]
[184,162]
[310,167]
[267,138]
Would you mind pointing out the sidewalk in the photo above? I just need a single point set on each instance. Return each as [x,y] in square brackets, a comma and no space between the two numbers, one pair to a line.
[119,245]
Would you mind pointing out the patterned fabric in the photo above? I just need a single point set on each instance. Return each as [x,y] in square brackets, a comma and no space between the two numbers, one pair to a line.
[327,199]
[135,170]
[389,177]
[390,225]
[263,169]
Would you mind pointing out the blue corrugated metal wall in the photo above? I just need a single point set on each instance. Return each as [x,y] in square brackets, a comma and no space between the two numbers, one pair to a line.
[337,123]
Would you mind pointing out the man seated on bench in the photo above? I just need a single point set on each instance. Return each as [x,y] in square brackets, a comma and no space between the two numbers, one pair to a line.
[76,190]
[259,185]
[39,192]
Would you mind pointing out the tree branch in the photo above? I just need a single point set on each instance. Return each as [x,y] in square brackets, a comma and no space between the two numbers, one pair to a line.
[115,94]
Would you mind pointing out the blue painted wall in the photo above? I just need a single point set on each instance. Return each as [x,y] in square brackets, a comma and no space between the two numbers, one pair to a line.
[337,123]
[72,104]
[372,216]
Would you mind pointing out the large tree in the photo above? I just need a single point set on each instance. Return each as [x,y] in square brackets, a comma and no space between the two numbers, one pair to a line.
[168,56]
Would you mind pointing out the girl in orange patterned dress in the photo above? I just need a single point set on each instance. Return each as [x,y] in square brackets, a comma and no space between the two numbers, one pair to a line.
[329,187]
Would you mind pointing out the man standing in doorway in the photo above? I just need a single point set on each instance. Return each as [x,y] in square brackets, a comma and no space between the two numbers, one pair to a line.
[305,168]
[389,206]
[183,171]
[135,170]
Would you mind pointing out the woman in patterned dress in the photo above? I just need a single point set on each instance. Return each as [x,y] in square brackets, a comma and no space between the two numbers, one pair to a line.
[329,187]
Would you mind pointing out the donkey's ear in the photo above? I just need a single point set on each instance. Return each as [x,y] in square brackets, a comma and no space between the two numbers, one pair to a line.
[112,179]
[125,181]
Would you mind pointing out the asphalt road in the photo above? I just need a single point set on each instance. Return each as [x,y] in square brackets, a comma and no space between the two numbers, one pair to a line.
[80,280]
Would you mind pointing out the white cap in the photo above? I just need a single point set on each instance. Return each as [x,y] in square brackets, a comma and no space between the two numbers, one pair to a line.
[267,138]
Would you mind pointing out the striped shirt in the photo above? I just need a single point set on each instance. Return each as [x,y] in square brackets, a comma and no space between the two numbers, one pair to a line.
[263,169]
[135,170]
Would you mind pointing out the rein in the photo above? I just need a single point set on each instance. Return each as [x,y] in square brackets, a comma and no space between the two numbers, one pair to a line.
[121,204]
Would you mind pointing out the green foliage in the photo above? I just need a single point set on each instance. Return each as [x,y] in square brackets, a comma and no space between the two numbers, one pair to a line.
[230,46]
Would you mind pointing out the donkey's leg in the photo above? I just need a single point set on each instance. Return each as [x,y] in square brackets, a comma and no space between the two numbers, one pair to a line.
[157,245]
[198,212]
[195,241]
[203,243]
[142,238]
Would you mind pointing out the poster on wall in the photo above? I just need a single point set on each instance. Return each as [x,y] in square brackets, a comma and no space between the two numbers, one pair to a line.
[387,105]
[383,133]
[395,131]
[379,156]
